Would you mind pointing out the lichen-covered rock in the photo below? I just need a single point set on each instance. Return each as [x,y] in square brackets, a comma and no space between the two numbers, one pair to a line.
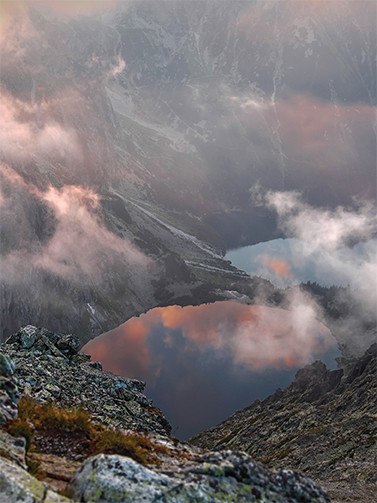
[16,486]
[13,448]
[225,476]
[28,336]
[49,368]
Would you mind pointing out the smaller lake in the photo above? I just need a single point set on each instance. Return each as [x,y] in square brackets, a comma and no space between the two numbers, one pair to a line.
[290,261]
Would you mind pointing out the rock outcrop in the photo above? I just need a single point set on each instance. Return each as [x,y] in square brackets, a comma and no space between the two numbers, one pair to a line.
[323,425]
[223,476]
[8,390]
[47,367]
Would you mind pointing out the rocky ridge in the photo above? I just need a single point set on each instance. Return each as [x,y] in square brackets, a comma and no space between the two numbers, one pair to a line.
[47,367]
[324,425]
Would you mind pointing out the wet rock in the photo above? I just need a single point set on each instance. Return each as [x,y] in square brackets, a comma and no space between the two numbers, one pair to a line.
[225,476]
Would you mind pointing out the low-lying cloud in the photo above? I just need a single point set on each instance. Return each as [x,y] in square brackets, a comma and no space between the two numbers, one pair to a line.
[329,237]
[79,247]
[26,132]
[340,245]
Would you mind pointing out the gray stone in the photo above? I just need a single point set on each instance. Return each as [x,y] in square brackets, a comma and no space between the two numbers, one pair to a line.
[69,343]
[28,336]
[9,385]
[18,486]
[224,476]
[96,365]
[8,399]
[116,478]
[13,448]
[7,367]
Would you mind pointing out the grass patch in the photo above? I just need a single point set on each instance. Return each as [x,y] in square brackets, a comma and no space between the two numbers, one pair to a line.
[48,415]
[136,447]
[55,428]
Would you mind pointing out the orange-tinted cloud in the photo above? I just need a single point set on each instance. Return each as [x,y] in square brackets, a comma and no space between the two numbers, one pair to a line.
[279,266]
[311,128]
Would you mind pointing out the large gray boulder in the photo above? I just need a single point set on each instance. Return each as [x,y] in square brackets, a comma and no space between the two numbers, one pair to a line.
[18,486]
[215,477]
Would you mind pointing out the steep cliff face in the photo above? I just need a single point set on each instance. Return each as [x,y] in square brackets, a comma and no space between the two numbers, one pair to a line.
[122,451]
[324,425]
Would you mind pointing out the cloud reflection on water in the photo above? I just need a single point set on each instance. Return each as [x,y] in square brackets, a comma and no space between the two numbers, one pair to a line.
[203,362]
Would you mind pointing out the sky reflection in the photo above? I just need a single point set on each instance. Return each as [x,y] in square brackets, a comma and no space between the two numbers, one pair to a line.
[202,363]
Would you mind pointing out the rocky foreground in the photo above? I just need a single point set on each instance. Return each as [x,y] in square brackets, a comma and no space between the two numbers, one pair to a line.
[59,460]
[323,425]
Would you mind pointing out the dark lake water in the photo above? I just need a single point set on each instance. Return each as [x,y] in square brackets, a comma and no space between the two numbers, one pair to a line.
[290,261]
[201,363]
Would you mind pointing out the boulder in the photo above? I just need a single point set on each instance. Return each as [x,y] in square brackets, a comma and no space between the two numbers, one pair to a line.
[69,343]
[17,485]
[215,477]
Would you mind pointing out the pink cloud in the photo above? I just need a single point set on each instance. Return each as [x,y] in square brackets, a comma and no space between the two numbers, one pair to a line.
[81,247]
[123,351]
[311,129]
[26,131]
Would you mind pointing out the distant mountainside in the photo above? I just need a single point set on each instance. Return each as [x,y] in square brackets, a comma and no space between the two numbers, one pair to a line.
[132,138]
[324,425]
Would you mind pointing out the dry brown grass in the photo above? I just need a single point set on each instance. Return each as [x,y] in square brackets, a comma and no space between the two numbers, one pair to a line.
[61,424]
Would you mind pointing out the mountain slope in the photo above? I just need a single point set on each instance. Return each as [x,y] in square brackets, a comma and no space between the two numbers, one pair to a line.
[324,425]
